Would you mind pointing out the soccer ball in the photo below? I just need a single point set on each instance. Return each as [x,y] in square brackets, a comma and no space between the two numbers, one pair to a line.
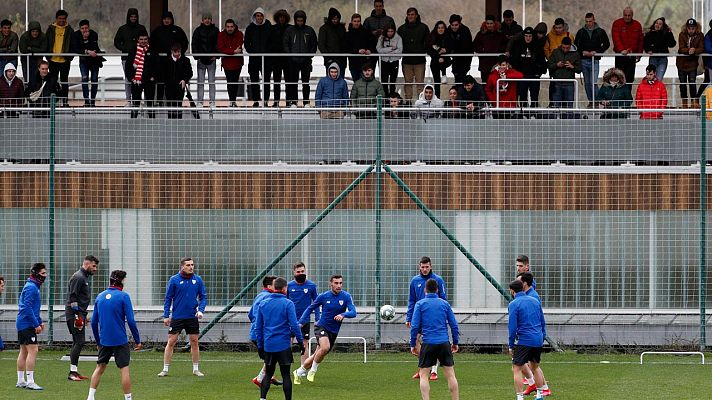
[388,312]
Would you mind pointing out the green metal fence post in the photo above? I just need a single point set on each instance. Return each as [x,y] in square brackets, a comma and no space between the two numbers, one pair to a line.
[379,142]
[703,224]
[51,194]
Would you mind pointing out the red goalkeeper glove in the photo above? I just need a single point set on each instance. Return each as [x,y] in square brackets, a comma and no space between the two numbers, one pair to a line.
[79,321]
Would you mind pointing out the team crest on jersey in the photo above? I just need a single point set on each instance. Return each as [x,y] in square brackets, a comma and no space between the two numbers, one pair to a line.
[193,281]
[341,302]
[306,290]
[34,338]
[419,285]
[108,296]
[181,282]
[328,302]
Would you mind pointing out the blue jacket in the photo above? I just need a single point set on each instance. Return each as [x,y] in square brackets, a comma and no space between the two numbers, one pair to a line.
[532,292]
[302,296]
[332,92]
[708,49]
[112,310]
[184,294]
[331,306]
[252,314]
[28,314]
[277,323]
[431,317]
[417,291]
[526,322]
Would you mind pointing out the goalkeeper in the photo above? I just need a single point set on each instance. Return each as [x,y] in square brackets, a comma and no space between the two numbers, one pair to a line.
[78,297]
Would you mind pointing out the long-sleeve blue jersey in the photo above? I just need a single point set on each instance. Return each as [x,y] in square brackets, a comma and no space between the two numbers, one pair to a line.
[417,291]
[431,317]
[112,311]
[526,321]
[331,306]
[183,294]
[533,293]
[277,323]
[303,295]
[252,314]
[28,314]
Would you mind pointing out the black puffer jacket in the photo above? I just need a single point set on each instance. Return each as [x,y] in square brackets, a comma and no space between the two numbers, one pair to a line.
[205,40]
[332,39]
[414,38]
[163,37]
[257,37]
[300,39]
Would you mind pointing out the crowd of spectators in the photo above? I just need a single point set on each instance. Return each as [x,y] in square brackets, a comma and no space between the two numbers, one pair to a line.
[511,61]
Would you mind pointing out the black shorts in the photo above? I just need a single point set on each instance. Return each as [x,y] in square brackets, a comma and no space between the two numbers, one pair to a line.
[523,354]
[305,331]
[191,326]
[122,355]
[283,357]
[320,332]
[260,352]
[430,354]
[27,336]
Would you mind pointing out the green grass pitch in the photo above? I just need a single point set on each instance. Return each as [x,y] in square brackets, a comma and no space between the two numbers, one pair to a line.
[386,376]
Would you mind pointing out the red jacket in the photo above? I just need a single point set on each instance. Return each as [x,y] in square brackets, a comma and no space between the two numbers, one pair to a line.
[651,96]
[507,89]
[627,36]
[227,45]
[11,95]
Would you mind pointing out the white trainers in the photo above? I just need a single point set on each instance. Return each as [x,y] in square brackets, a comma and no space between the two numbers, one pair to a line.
[198,373]
[443,79]
[21,385]
[34,386]
[163,373]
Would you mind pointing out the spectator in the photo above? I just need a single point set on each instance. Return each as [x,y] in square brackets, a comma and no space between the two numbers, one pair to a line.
[365,91]
[177,73]
[658,41]
[453,104]
[461,39]
[471,98]
[541,30]
[554,38]
[591,40]
[162,40]
[390,43]
[86,41]
[205,40]
[651,94]
[613,94]
[437,46]
[691,45]
[378,21]
[11,90]
[395,101]
[627,35]
[510,28]
[332,91]
[708,50]
[140,69]
[489,40]
[257,40]
[32,41]
[414,35]
[59,36]
[332,39]
[41,88]
[125,40]
[527,56]
[359,41]
[564,64]
[230,42]
[507,89]
[299,38]
[428,99]
[279,64]
[8,43]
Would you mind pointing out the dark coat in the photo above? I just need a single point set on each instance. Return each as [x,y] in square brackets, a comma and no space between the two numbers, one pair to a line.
[126,36]
[594,40]
[163,37]
[433,45]
[415,37]
[257,40]
[332,39]
[173,73]
[67,40]
[151,65]
[461,44]
[528,57]
[80,45]
[357,39]
[659,41]
[489,42]
[205,40]
[300,40]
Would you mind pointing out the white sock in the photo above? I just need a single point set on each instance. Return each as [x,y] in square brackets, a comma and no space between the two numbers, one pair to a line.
[91,394]
[127,396]
[315,366]
[20,376]
[261,375]
[301,371]
[530,381]
[520,396]
[545,387]
[166,366]
[195,366]
[30,376]
[73,368]
[434,369]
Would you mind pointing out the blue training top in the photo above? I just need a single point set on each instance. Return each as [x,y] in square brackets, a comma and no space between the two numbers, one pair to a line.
[28,313]
[112,310]
[183,294]
[252,314]
[533,293]
[417,291]
[277,323]
[303,295]
[431,317]
[526,321]
[331,306]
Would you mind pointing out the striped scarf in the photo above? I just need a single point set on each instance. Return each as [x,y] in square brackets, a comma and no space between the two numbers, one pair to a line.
[138,62]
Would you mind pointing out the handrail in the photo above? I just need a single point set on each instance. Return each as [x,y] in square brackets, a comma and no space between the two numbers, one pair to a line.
[573,80]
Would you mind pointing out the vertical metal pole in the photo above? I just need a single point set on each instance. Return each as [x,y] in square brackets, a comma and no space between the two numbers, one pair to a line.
[524,12]
[50,262]
[220,23]
[190,26]
[703,223]
[379,141]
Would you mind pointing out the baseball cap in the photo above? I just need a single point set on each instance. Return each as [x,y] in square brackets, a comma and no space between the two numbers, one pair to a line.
[691,22]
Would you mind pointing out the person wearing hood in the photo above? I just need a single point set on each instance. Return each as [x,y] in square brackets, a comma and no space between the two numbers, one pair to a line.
[162,39]
[32,41]
[437,46]
[299,38]
[659,40]
[365,91]
[86,41]
[414,34]
[230,42]
[489,40]
[651,94]
[590,41]
[428,99]
[377,22]
[507,89]
[41,87]
[332,39]
[141,70]
[358,41]
[510,28]
[205,40]
[461,39]
[391,45]
[332,91]
[257,40]
[613,94]
[29,324]
[11,90]
[125,40]
[279,64]
[527,56]
[691,45]
[59,37]
[8,43]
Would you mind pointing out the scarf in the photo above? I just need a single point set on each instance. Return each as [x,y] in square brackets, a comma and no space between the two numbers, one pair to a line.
[138,62]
